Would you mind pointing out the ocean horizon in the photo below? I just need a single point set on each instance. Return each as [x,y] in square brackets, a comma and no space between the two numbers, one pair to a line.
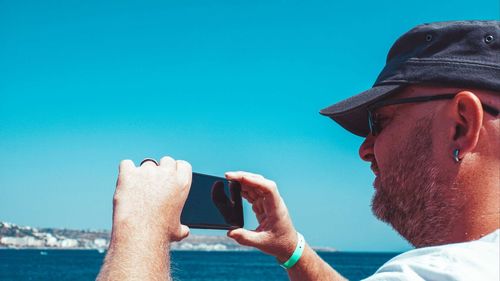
[78,264]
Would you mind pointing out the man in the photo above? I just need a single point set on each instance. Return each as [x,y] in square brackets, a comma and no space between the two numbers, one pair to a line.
[432,129]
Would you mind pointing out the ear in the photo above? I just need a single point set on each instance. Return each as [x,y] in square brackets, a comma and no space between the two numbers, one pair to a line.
[467,114]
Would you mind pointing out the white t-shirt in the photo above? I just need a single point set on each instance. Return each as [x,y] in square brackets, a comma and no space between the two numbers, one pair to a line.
[474,260]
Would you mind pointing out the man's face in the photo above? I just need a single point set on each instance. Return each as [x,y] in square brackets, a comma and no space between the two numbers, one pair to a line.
[412,192]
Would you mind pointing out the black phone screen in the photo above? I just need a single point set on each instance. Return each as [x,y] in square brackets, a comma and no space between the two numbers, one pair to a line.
[213,203]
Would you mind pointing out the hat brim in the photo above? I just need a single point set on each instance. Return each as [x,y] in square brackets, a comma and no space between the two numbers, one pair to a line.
[352,114]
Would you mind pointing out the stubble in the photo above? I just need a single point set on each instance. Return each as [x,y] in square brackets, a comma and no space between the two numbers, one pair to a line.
[413,194]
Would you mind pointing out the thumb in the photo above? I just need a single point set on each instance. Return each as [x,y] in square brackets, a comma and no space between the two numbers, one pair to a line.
[183,233]
[246,237]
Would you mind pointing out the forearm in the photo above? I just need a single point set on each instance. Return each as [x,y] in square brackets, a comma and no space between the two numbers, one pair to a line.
[136,260]
[313,267]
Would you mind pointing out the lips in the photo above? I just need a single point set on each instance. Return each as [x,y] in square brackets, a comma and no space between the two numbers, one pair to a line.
[376,171]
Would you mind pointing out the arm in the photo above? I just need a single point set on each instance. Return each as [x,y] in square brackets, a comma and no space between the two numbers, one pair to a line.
[146,217]
[276,234]
[312,267]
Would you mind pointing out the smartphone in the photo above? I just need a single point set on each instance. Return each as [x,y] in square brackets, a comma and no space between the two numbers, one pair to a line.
[213,203]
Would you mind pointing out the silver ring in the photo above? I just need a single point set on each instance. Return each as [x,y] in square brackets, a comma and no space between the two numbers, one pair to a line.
[149,159]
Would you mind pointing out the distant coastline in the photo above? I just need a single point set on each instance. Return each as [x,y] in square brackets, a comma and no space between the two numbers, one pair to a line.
[17,237]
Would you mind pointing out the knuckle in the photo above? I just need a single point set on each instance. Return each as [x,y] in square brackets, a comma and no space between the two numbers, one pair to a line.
[116,198]
[184,165]
[125,163]
[272,185]
[167,160]
[184,172]
[255,208]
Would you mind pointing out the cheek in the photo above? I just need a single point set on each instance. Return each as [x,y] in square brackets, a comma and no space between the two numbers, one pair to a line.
[389,146]
[442,142]
[385,144]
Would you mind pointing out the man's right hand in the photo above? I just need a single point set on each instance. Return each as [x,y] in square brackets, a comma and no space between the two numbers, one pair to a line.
[275,234]
[147,206]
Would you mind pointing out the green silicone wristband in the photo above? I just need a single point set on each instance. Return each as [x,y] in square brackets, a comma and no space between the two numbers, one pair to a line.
[296,254]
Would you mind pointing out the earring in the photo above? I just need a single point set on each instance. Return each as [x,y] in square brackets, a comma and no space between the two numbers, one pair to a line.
[455,155]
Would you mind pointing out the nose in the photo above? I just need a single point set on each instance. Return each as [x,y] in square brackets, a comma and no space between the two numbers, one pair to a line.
[366,149]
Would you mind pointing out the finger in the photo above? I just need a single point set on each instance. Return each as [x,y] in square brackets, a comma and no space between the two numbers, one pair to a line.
[251,195]
[255,175]
[237,174]
[245,195]
[257,207]
[167,162]
[246,237]
[254,193]
[125,169]
[259,183]
[184,173]
[126,166]
[260,217]
[183,233]
[148,163]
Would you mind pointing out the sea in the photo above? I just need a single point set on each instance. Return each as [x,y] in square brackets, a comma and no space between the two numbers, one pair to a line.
[76,265]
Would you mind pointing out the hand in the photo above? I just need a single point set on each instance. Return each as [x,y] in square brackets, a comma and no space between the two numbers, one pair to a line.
[148,200]
[275,234]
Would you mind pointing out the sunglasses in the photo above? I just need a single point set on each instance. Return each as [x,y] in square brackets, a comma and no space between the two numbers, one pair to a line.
[375,126]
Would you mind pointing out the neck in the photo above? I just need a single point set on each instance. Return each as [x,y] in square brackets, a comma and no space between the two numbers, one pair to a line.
[480,214]
[474,229]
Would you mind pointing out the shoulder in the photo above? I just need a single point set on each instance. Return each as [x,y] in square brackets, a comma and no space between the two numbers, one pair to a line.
[475,260]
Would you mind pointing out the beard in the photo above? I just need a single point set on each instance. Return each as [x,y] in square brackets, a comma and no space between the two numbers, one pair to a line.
[413,194]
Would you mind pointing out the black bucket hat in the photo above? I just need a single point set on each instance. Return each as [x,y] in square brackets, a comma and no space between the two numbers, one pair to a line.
[455,53]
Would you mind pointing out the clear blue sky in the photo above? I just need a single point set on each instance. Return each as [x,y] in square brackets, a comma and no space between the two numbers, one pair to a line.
[225,85]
